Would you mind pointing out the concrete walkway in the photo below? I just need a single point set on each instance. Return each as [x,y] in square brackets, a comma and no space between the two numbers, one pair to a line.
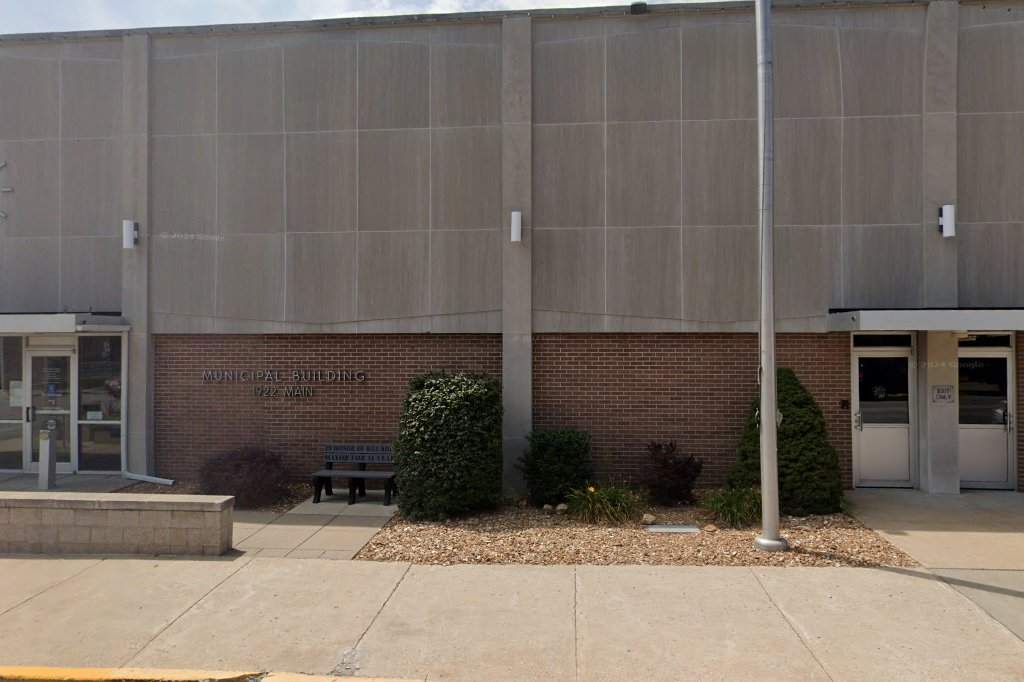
[973,541]
[498,622]
[72,483]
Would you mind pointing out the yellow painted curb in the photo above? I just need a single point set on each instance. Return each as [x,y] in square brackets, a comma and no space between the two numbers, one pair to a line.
[42,674]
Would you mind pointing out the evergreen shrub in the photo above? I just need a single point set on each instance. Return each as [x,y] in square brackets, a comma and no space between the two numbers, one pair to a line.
[448,452]
[556,462]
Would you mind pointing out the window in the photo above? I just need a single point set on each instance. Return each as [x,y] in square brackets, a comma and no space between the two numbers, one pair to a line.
[99,403]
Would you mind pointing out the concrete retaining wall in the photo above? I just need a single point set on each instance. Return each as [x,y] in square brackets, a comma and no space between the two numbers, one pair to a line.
[114,523]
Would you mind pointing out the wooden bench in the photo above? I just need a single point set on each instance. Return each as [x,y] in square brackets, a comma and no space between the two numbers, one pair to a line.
[335,453]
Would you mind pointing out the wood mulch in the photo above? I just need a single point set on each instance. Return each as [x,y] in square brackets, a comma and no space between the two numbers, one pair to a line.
[296,493]
[517,535]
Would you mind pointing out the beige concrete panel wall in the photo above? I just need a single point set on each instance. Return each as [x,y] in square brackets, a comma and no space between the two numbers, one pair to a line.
[90,187]
[394,275]
[882,170]
[644,76]
[250,184]
[568,176]
[990,155]
[32,170]
[808,270]
[465,85]
[250,277]
[394,180]
[990,64]
[882,266]
[321,182]
[720,273]
[718,81]
[643,167]
[184,95]
[883,69]
[90,98]
[250,96]
[184,274]
[719,168]
[808,80]
[568,271]
[568,81]
[644,272]
[465,178]
[394,81]
[29,274]
[29,98]
[321,286]
[182,46]
[808,165]
[991,272]
[465,271]
[320,86]
[183,196]
[90,272]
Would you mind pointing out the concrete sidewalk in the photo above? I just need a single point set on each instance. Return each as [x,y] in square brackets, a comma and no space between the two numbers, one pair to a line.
[497,622]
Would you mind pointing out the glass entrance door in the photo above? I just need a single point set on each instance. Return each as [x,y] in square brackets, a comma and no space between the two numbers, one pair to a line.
[882,436]
[986,420]
[51,394]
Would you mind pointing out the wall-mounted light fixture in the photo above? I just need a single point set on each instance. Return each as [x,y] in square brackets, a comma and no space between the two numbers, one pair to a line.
[947,220]
[517,226]
[129,234]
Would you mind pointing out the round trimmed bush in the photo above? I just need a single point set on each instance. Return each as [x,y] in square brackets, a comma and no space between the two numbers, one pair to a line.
[810,481]
[255,477]
[448,453]
[556,462]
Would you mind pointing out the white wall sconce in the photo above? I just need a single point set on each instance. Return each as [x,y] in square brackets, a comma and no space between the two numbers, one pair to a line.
[129,234]
[947,220]
[517,226]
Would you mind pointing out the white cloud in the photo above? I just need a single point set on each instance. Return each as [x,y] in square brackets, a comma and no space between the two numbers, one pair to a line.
[42,16]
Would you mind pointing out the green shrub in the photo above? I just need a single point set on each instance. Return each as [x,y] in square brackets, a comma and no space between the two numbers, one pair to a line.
[735,507]
[556,462]
[605,504]
[810,481]
[668,475]
[255,477]
[448,451]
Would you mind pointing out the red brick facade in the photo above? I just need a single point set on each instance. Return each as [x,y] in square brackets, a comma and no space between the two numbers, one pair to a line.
[695,389]
[194,418]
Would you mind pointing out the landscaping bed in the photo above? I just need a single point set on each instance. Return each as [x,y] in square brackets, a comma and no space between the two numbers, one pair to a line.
[515,535]
[294,493]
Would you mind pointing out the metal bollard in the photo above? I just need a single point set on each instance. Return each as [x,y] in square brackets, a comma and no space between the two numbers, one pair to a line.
[47,463]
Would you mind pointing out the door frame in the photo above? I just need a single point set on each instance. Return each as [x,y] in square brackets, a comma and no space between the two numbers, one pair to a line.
[1011,408]
[28,432]
[910,353]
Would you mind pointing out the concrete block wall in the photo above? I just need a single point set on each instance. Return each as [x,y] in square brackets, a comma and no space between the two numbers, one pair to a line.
[115,523]
[194,418]
[695,389]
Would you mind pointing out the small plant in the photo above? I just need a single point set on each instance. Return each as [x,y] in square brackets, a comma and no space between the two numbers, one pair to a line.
[448,451]
[556,462]
[254,476]
[735,507]
[605,504]
[668,475]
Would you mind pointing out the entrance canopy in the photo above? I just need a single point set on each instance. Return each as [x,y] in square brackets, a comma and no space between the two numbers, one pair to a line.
[928,319]
[61,323]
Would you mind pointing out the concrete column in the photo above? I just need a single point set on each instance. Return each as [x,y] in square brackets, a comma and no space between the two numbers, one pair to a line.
[938,423]
[939,150]
[135,262]
[516,258]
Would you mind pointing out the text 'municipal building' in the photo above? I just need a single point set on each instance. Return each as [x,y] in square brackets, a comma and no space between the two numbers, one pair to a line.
[325,209]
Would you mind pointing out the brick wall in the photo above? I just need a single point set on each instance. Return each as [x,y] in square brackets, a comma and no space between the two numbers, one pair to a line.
[696,389]
[193,418]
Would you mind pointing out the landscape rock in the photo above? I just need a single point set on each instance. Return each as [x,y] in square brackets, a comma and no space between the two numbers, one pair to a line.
[548,509]
[710,528]
[648,519]
[562,508]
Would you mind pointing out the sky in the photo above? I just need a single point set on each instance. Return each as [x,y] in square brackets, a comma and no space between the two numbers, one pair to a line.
[40,16]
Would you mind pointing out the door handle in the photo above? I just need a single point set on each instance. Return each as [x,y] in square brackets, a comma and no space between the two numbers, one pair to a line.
[858,421]
[1008,421]
[30,414]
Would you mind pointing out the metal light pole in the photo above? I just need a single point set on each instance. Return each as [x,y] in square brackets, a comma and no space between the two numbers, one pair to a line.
[769,540]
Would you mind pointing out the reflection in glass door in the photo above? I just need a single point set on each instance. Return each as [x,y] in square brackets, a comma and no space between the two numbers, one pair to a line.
[12,405]
[882,436]
[50,406]
[986,422]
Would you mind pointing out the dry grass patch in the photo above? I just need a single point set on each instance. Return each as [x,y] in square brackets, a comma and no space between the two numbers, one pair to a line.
[516,535]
